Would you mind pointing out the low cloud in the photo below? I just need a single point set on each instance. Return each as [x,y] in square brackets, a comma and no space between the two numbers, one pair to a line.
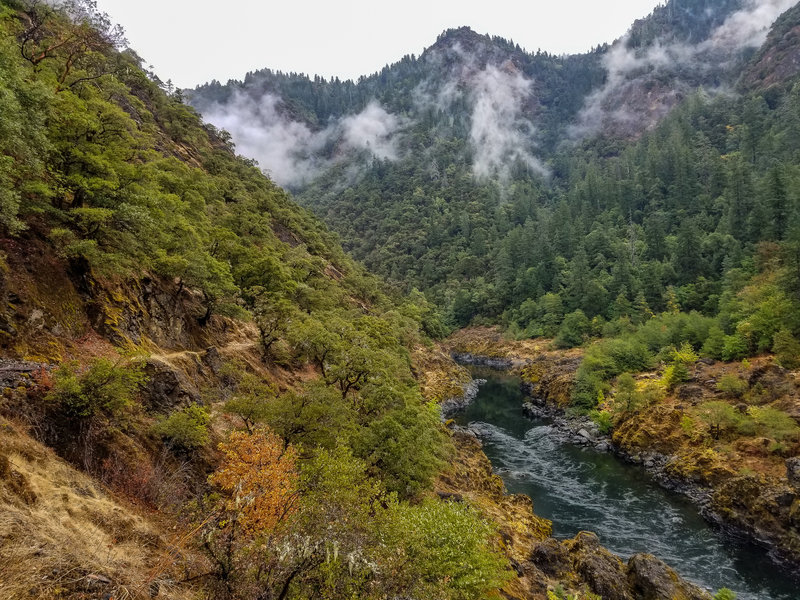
[500,134]
[620,103]
[499,96]
[289,151]
[372,129]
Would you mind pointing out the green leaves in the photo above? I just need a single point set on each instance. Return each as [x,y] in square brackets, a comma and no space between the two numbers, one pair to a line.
[104,387]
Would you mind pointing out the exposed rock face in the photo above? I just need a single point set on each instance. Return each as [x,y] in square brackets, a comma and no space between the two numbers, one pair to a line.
[465,358]
[583,561]
[212,359]
[16,373]
[793,472]
[457,403]
[651,579]
[551,557]
[167,387]
[600,569]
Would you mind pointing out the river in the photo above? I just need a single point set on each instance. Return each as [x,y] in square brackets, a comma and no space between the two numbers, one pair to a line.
[581,489]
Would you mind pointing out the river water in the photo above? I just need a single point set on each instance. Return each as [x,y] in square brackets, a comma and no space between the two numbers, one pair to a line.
[581,489]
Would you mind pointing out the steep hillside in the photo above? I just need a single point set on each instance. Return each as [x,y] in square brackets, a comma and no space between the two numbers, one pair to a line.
[202,395]
[778,61]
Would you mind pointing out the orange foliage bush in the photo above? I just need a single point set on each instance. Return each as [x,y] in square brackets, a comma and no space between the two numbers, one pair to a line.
[259,474]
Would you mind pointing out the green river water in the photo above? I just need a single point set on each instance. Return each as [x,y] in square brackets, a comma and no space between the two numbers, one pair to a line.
[581,489]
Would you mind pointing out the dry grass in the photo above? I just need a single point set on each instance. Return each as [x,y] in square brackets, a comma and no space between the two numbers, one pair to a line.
[61,536]
[490,341]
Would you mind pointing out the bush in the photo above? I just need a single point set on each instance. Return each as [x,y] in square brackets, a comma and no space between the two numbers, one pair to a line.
[626,400]
[446,549]
[587,389]
[674,375]
[603,420]
[720,417]
[774,423]
[186,429]
[405,448]
[735,347]
[714,344]
[104,387]
[787,349]
[573,331]
[732,386]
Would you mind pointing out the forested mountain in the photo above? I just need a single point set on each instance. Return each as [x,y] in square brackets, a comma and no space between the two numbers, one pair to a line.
[518,188]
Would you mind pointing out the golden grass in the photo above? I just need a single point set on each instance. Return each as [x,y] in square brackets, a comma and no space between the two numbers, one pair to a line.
[61,536]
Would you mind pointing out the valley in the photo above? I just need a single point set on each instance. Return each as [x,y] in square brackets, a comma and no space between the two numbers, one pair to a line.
[241,325]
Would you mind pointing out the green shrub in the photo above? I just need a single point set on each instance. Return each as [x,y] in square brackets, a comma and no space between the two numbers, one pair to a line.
[448,550]
[185,429]
[103,387]
[714,344]
[674,375]
[732,386]
[774,423]
[603,420]
[586,390]
[720,417]
[787,349]
[735,347]
[626,400]
[725,594]
[573,331]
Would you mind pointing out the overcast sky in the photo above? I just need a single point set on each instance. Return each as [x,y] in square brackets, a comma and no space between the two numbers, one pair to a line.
[191,41]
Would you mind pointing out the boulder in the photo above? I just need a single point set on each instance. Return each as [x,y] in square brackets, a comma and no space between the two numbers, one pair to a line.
[212,360]
[551,558]
[167,388]
[603,572]
[651,579]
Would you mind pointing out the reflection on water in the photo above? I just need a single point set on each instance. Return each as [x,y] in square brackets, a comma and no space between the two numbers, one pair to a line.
[580,489]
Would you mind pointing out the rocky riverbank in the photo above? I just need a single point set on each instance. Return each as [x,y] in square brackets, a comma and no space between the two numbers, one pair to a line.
[541,563]
[739,486]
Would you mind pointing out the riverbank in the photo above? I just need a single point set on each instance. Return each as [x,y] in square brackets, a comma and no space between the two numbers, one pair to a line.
[738,483]
[580,566]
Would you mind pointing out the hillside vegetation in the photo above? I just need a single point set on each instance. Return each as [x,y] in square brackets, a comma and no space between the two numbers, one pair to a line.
[236,391]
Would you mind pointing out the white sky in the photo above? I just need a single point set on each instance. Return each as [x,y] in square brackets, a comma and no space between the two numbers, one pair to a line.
[194,41]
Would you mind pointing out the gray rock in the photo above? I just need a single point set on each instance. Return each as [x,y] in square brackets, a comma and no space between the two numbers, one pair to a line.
[651,579]
[586,435]
[599,568]
[793,472]
[551,557]
[453,405]
[212,360]
[166,387]
[465,358]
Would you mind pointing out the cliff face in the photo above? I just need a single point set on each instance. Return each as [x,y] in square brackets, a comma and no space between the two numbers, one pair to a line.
[778,60]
